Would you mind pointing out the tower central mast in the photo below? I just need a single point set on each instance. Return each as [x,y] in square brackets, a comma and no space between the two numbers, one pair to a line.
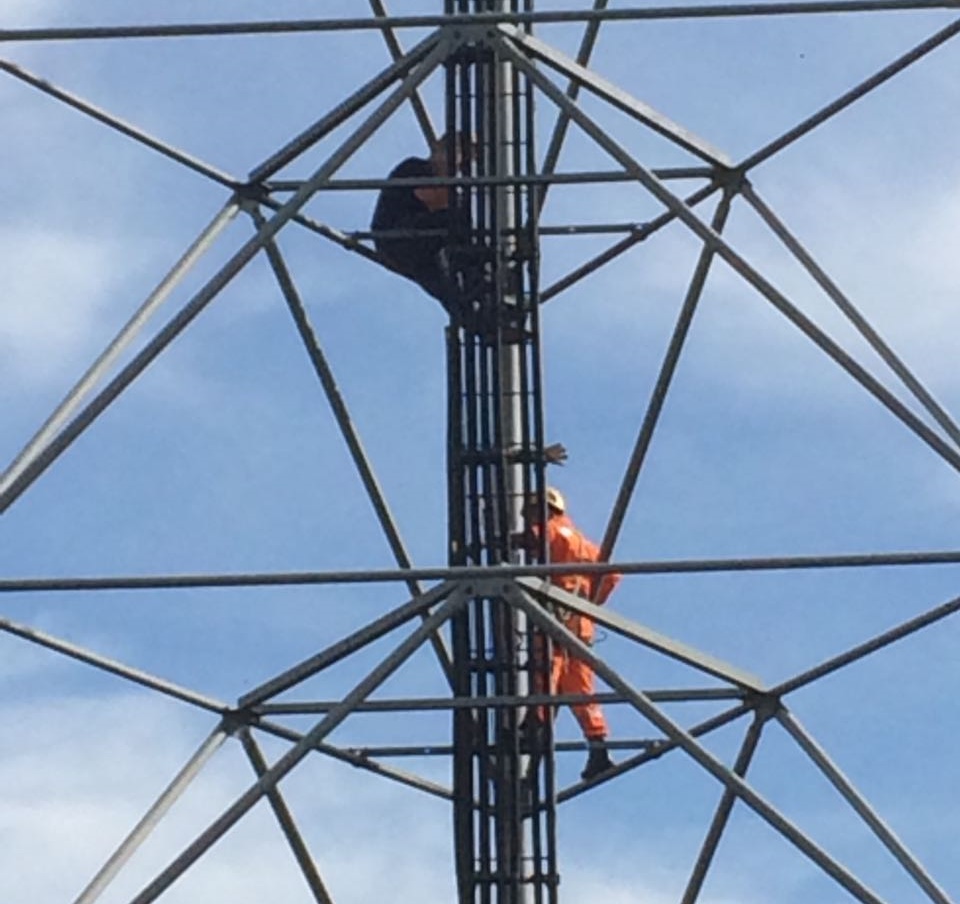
[504,810]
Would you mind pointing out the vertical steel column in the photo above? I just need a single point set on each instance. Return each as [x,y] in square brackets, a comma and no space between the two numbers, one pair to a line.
[503,790]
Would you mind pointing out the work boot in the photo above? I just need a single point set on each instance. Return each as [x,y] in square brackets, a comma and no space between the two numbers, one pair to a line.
[598,762]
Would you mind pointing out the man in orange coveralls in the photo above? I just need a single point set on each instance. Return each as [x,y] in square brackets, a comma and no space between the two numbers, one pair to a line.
[569,675]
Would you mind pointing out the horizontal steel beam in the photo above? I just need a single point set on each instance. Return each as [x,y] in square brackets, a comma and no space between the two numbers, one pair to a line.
[585,177]
[545,17]
[386,576]
[449,703]
[558,229]
[427,750]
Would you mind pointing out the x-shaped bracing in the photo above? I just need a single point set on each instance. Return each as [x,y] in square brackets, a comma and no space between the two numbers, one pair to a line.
[530,596]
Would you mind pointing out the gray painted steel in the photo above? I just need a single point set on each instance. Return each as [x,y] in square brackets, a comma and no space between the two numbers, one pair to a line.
[505,840]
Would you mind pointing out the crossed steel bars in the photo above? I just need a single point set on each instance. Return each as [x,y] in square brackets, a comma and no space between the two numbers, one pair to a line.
[411,70]
[439,605]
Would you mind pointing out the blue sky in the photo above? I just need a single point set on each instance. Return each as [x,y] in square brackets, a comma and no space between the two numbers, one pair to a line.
[224,457]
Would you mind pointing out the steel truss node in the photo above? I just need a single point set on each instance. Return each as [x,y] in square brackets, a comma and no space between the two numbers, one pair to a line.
[486,611]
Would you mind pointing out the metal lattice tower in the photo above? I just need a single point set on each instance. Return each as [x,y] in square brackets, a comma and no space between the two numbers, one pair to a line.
[487,609]
[504,833]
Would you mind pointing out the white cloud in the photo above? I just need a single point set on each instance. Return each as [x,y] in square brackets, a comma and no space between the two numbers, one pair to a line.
[80,773]
[57,294]
[66,298]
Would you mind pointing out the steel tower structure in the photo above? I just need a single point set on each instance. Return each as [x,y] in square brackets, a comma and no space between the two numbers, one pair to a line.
[504,813]
[485,613]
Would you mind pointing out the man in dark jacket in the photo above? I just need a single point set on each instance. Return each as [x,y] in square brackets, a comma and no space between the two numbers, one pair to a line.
[424,208]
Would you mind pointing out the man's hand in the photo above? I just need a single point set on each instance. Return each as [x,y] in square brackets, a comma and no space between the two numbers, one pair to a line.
[555,454]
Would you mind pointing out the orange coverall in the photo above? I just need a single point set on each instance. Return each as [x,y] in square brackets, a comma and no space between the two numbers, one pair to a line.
[569,675]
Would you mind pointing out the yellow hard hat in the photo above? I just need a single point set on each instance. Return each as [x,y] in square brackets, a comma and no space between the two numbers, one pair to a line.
[555,500]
